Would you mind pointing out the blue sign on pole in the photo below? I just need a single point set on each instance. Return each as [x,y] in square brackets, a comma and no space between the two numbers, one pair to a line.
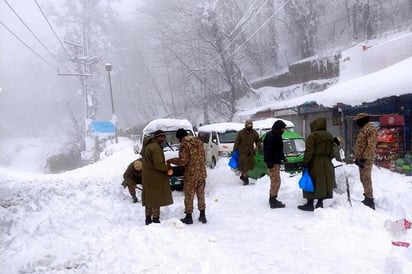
[102,128]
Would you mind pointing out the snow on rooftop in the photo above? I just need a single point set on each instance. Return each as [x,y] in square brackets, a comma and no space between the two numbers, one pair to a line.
[395,80]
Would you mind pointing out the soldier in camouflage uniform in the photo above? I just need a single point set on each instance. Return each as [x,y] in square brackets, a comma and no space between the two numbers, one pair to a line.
[192,158]
[364,154]
[244,143]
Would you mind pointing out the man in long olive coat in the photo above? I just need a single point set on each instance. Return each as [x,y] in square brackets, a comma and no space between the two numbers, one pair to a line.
[247,142]
[156,188]
[318,157]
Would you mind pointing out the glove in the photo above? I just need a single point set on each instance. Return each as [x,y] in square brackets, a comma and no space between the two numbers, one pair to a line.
[360,162]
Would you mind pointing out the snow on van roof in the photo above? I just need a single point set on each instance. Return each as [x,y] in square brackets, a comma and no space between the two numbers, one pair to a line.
[221,127]
[167,124]
[268,123]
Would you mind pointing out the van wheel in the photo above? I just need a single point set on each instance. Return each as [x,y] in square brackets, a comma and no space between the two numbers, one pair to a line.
[213,163]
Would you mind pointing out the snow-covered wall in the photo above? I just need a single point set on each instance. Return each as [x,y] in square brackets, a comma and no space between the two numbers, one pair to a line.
[374,55]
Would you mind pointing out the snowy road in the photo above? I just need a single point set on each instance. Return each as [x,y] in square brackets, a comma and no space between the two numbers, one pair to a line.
[83,221]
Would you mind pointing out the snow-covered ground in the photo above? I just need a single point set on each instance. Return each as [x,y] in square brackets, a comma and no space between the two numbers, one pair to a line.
[83,221]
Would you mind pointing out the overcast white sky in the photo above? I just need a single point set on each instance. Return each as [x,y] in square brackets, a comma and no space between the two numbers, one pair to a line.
[20,99]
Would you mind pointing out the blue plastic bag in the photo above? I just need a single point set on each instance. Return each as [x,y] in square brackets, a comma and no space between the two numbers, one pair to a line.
[233,162]
[306,183]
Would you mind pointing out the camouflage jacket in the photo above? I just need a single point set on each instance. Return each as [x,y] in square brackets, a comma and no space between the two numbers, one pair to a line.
[192,158]
[366,142]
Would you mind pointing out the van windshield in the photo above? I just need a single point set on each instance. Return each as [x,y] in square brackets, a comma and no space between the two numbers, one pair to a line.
[227,136]
[172,140]
[293,146]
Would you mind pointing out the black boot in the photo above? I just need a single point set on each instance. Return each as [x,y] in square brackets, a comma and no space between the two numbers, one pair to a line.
[135,200]
[369,202]
[274,203]
[188,219]
[308,206]
[148,220]
[202,217]
[156,220]
[245,181]
[319,203]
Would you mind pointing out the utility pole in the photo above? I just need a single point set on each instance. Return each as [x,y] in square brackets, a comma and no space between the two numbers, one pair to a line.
[84,61]
[114,120]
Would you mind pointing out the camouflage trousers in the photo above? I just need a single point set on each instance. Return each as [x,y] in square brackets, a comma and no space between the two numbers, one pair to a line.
[152,211]
[274,174]
[366,179]
[191,188]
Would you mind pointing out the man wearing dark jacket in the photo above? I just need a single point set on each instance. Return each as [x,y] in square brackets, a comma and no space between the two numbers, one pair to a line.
[273,157]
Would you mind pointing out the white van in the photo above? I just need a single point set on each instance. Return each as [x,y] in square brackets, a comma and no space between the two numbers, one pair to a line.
[265,125]
[171,144]
[170,127]
[218,140]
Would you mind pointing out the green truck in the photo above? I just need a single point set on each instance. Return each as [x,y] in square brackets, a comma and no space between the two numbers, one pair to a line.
[293,147]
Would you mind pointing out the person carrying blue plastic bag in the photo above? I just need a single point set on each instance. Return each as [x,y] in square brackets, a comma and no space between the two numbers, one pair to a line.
[306,183]
[233,162]
[318,156]
[247,142]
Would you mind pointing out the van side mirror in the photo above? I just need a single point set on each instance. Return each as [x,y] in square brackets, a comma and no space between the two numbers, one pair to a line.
[214,140]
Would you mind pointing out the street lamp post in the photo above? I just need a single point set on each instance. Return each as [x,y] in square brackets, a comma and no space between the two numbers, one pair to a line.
[108,69]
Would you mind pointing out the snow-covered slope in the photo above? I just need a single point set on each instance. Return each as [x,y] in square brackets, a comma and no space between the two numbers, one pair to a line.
[83,221]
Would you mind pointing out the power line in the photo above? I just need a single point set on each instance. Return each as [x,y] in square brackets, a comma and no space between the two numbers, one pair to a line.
[249,10]
[38,39]
[244,27]
[253,34]
[55,34]
[38,55]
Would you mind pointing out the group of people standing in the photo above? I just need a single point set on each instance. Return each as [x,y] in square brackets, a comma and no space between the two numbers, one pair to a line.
[154,177]
[321,148]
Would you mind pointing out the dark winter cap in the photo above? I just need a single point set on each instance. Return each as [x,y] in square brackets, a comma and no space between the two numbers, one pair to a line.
[279,124]
[180,133]
[159,133]
[361,115]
